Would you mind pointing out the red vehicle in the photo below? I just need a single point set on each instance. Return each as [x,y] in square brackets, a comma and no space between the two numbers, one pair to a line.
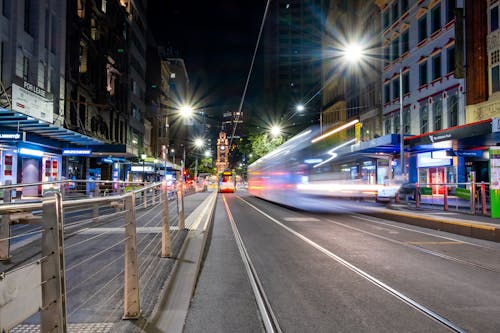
[227,182]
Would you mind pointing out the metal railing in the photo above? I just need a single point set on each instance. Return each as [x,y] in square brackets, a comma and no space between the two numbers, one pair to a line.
[36,271]
[467,197]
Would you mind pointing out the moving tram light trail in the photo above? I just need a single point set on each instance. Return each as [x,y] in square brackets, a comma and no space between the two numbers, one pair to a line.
[308,167]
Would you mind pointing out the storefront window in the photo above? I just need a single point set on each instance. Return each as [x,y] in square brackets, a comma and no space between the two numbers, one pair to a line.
[438,114]
[424,118]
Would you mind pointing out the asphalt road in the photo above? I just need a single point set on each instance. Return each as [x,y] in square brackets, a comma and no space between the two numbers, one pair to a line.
[343,272]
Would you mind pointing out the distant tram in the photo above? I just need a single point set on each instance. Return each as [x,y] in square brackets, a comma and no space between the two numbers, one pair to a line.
[227,182]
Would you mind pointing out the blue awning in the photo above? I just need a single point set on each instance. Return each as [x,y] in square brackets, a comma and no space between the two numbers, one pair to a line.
[50,134]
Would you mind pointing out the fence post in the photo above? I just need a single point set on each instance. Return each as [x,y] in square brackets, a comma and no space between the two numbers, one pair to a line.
[53,312]
[166,238]
[181,215]
[95,212]
[473,192]
[417,196]
[445,197]
[483,199]
[131,302]
[145,198]
[5,238]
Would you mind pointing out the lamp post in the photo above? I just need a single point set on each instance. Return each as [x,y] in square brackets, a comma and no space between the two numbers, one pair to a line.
[143,157]
[198,142]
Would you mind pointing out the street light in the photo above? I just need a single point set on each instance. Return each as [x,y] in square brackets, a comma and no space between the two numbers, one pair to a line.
[143,157]
[275,130]
[186,111]
[354,53]
[198,143]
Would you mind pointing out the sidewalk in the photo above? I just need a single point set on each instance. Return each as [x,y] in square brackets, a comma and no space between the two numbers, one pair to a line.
[461,223]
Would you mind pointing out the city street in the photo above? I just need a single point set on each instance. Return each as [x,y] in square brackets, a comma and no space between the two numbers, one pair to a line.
[343,272]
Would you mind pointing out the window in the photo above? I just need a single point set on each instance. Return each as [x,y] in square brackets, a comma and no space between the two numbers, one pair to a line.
[395,11]
[387,19]
[27,16]
[405,44]
[387,93]
[53,34]
[406,83]
[450,59]
[387,125]
[436,18]
[395,88]
[450,10]
[438,114]
[436,67]
[406,121]
[493,18]
[424,118]
[404,6]
[83,57]
[395,49]
[453,110]
[47,26]
[423,73]
[396,122]
[5,7]
[422,28]
[26,68]
[495,78]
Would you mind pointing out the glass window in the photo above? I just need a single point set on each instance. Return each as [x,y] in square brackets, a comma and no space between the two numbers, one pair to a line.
[438,114]
[406,83]
[422,28]
[450,59]
[396,122]
[405,44]
[395,88]
[26,68]
[436,18]
[387,126]
[493,18]
[495,78]
[387,93]
[423,73]
[424,118]
[387,19]
[395,49]
[453,110]
[406,121]
[395,11]
[436,67]
[404,6]
[450,10]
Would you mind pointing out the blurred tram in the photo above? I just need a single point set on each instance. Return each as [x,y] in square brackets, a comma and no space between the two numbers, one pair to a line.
[302,170]
[227,182]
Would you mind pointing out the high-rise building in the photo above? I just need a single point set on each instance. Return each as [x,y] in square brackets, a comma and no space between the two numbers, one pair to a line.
[292,59]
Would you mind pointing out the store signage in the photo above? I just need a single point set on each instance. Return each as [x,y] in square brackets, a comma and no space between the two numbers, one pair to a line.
[77,152]
[469,153]
[10,136]
[454,133]
[32,101]
[425,160]
[146,168]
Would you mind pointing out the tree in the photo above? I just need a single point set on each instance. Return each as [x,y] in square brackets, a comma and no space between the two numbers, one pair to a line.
[261,144]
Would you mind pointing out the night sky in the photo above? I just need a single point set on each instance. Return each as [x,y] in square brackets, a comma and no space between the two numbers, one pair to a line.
[216,39]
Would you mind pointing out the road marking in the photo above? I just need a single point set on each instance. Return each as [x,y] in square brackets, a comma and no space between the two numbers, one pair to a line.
[434,243]
[301,219]
[363,274]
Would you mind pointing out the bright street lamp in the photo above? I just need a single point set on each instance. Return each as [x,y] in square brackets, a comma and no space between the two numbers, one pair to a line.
[355,53]
[186,111]
[275,130]
[198,142]
[299,107]
[207,153]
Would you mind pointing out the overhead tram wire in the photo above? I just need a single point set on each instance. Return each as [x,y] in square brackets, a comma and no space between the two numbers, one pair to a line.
[250,71]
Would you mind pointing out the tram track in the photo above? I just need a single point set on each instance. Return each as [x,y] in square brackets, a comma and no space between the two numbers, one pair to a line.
[269,320]
[365,275]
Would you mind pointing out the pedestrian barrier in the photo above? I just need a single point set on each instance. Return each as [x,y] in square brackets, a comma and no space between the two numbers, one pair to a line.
[59,255]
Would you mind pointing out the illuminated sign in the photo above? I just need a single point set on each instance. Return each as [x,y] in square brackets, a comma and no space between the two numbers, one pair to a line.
[425,160]
[77,152]
[10,136]
[32,152]
[146,168]
[32,101]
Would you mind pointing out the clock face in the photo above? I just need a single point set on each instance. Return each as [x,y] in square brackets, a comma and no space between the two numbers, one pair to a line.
[222,147]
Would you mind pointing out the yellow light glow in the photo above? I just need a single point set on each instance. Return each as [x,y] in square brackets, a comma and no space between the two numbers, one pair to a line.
[335,130]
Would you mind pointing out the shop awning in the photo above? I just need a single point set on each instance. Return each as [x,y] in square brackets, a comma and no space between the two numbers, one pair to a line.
[53,135]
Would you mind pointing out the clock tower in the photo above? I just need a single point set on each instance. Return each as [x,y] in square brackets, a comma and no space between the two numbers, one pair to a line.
[222,162]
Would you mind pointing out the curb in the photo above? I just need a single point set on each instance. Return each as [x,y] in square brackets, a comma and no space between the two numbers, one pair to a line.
[452,225]
[169,313]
